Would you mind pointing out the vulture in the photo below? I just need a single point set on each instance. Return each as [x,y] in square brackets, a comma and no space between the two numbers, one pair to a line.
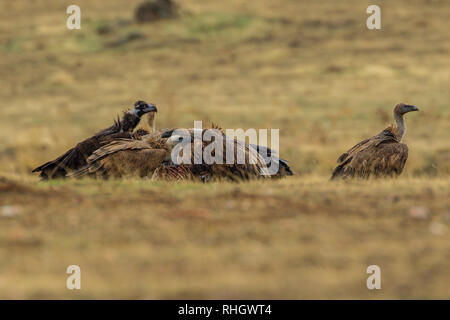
[381,155]
[269,155]
[264,156]
[152,157]
[200,169]
[76,157]
[128,158]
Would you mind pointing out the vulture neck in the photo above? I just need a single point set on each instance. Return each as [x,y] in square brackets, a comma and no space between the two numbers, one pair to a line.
[151,122]
[401,127]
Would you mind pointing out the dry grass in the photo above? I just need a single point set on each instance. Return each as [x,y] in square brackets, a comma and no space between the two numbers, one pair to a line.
[298,238]
[310,68]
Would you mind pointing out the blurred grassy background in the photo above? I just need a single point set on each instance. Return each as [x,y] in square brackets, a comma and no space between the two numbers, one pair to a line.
[309,68]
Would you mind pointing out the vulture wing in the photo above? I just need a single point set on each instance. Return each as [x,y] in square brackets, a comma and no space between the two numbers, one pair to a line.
[121,158]
[268,155]
[247,162]
[76,157]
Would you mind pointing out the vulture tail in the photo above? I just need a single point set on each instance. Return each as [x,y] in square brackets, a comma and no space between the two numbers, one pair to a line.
[88,170]
[55,168]
[54,163]
[339,171]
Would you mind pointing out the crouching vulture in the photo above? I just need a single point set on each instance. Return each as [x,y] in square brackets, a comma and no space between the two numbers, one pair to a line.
[381,155]
[76,157]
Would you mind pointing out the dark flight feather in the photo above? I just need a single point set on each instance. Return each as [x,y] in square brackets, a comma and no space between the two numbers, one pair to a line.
[75,158]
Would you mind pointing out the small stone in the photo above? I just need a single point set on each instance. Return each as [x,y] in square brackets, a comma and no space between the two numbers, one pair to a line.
[419,212]
[10,211]
[152,10]
[393,198]
[230,204]
[438,228]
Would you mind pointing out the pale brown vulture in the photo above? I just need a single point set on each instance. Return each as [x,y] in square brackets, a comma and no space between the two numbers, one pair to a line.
[128,158]
[381,155]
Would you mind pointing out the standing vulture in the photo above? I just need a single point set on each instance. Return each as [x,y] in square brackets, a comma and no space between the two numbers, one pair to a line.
[269,155]
[128,158]
[381,155]
[76,157]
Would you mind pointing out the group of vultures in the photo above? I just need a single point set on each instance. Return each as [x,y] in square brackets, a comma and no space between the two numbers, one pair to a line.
[124,151]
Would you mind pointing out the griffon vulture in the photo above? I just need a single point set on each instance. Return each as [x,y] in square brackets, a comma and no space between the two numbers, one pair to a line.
[252,166]
[76,157]
[381,155]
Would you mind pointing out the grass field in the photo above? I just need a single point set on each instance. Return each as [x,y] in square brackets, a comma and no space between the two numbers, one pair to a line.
[309,68]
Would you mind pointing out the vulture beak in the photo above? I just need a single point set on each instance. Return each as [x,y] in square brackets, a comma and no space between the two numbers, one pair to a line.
[150,108]
[414,108]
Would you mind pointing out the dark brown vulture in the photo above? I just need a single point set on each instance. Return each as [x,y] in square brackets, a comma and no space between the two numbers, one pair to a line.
[381,155]
[76,157]
[128,158]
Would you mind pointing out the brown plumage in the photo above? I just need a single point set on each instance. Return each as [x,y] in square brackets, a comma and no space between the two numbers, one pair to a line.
[147,129]
[127,158]
[76,157]
[254,166]
[381,155]
[270,157]
[266,157]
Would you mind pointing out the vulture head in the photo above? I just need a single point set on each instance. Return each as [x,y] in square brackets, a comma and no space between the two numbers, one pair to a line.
[171,142]
[174,140]
[142,107]
[402,108]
